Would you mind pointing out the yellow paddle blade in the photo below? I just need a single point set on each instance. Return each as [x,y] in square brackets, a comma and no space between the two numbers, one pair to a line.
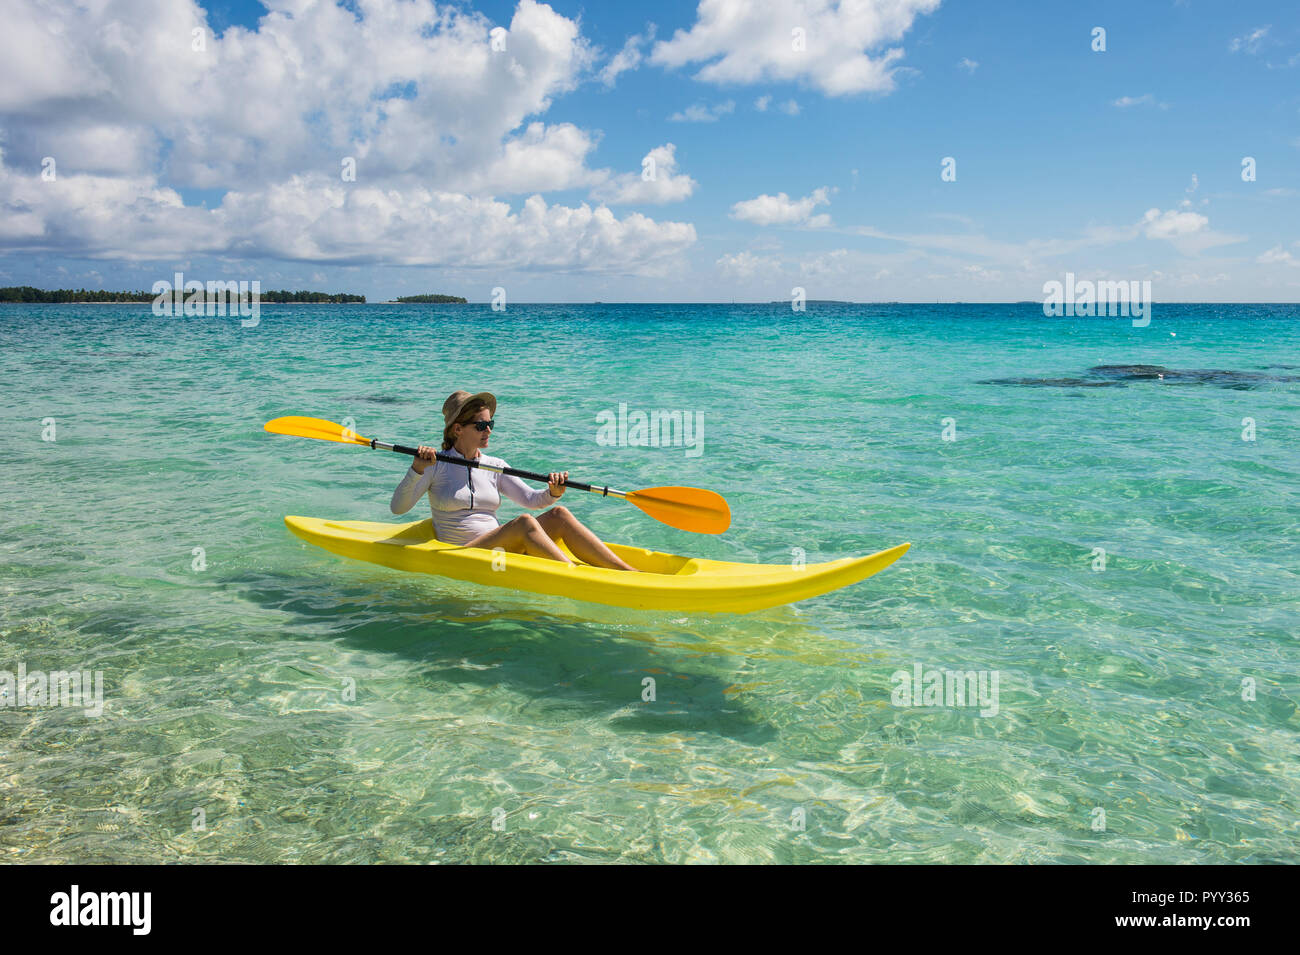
[686,508]
[317,428]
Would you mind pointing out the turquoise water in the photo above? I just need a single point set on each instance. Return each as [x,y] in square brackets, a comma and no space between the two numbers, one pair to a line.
[1121,733]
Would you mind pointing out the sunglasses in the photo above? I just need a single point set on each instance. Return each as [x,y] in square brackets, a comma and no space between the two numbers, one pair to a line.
[483,425]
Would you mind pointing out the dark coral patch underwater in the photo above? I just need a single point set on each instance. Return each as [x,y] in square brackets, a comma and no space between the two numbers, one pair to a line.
[1118,376]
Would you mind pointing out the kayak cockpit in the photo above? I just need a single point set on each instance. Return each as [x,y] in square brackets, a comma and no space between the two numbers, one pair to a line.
[646,561]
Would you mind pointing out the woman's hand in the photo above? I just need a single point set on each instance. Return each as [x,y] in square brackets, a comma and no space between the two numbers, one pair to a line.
[427,456]
[557,482]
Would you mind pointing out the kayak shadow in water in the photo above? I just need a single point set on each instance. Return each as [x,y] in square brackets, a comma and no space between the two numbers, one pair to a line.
[564,663]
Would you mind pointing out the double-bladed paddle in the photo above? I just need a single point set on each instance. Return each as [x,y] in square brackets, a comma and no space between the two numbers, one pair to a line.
[686,508]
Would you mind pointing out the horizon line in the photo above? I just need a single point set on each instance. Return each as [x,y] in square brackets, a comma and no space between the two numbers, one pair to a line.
[700,302]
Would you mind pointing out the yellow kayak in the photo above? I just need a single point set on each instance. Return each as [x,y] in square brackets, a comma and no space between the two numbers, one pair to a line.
[664,581]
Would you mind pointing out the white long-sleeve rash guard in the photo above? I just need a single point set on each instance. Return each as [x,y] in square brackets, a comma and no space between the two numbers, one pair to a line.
[464,499]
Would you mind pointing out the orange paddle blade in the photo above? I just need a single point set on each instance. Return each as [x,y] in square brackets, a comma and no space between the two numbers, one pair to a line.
[317,428]
[686,508]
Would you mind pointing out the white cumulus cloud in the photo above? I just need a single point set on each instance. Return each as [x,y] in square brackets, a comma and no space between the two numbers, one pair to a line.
[780,209]
[628,58]
[311,85]
[438,120]
[1171,224]
[1277,256]
[746,265]
[657,182]
[317,218]
[837,46]
[699,113]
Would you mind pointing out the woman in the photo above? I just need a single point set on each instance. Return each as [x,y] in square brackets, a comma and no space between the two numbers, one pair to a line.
[465,499]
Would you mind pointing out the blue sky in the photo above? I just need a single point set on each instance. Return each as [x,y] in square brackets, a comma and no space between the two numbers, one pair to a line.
[520,167]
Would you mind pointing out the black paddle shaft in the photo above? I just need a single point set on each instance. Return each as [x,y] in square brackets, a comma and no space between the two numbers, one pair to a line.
[513,472]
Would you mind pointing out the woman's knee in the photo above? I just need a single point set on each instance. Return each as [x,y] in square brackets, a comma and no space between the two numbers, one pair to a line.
[527,524]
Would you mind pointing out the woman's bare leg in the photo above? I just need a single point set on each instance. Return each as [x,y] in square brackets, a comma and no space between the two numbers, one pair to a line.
[560,524]
[523,535]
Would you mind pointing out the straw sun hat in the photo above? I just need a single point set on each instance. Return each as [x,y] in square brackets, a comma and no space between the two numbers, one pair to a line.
[451,408]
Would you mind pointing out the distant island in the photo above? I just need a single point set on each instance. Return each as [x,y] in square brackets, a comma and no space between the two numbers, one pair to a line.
[811,301]
[27,294]
[312,298]
[432,300]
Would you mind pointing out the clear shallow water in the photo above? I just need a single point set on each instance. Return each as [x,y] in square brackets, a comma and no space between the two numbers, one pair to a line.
[1119,689]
